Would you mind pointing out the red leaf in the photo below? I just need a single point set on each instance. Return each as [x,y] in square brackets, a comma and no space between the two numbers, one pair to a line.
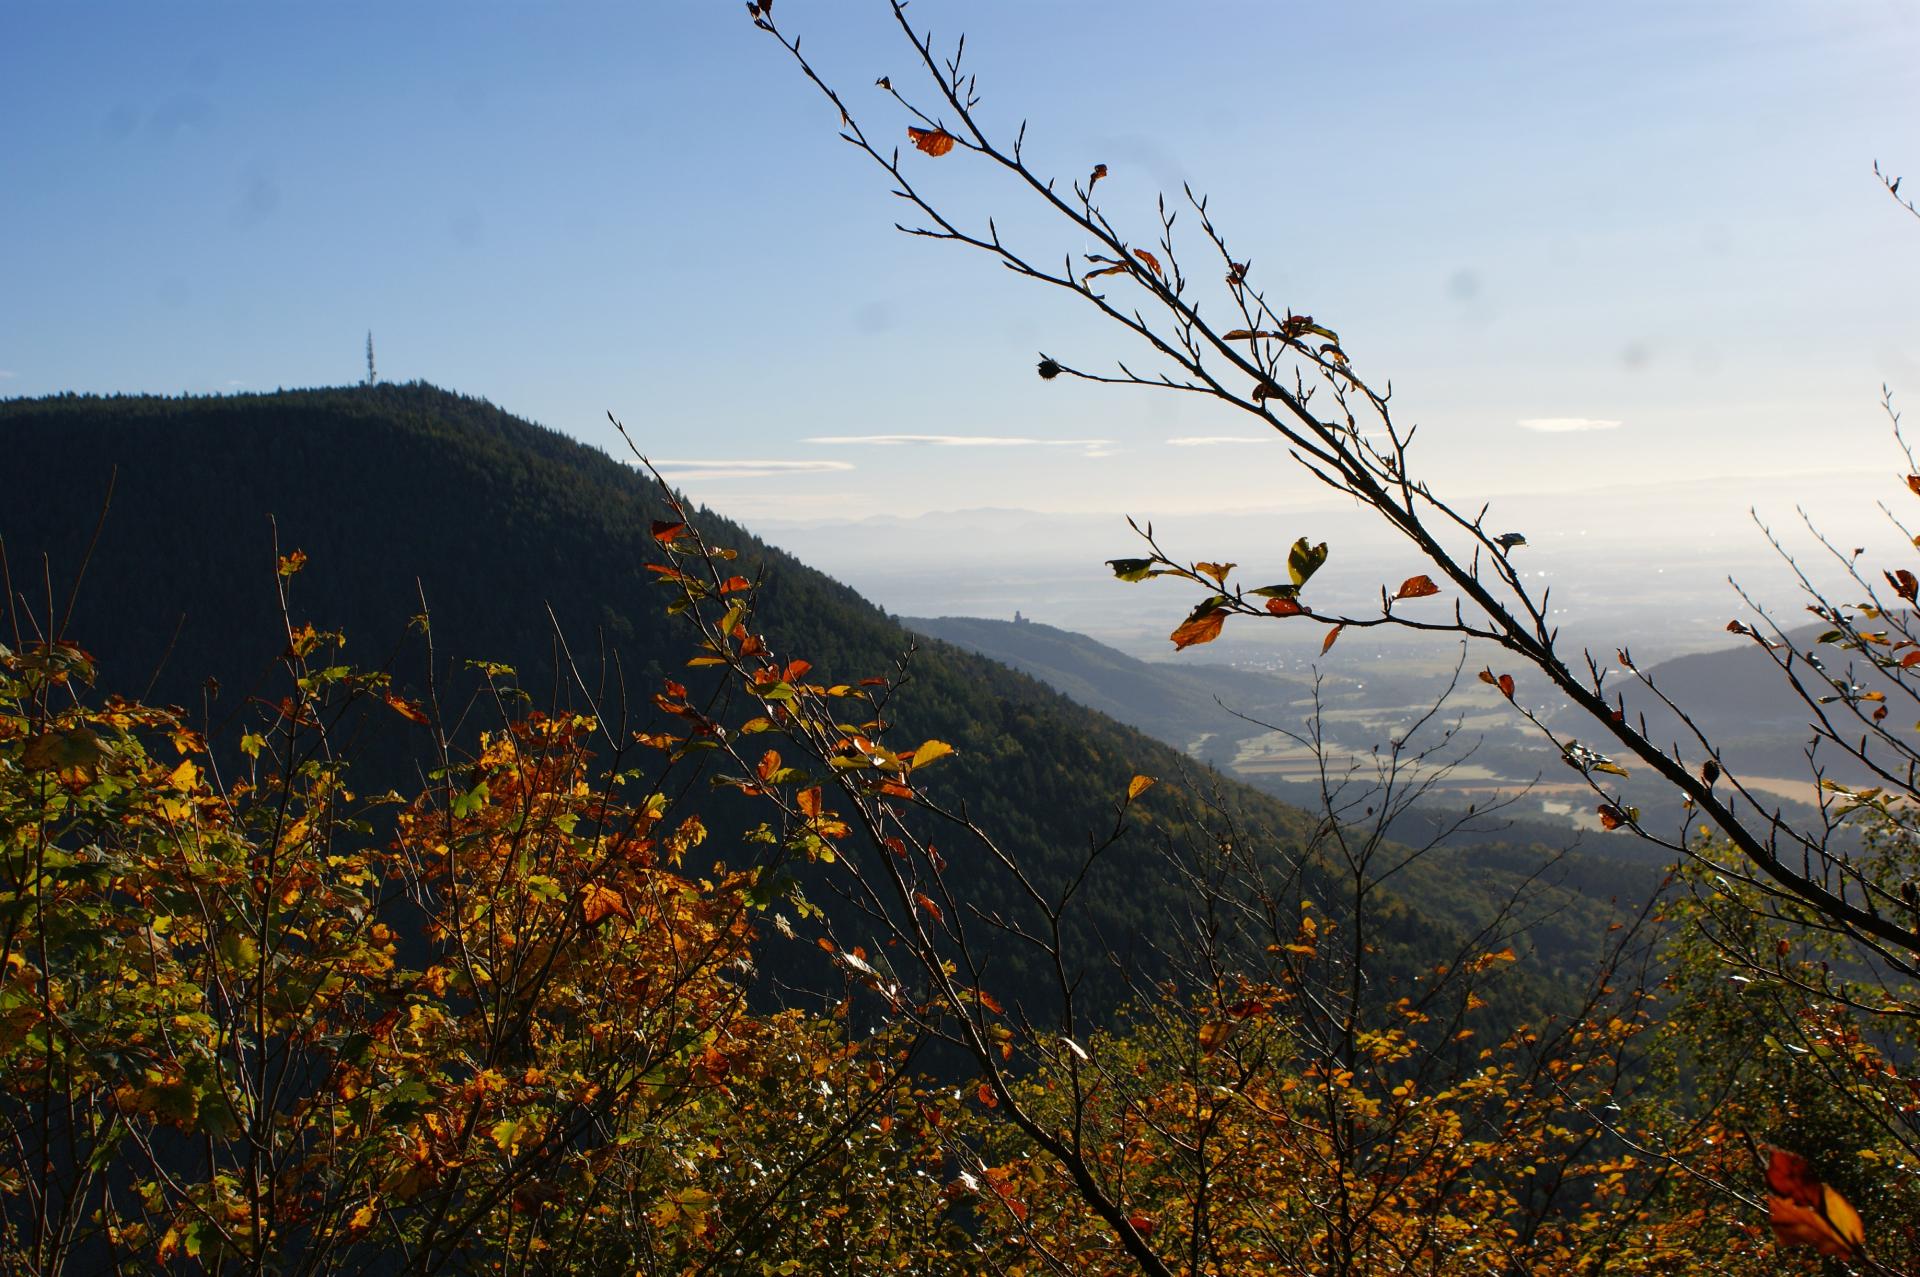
[1332,634]
[1153,263]
[1285,607]
[935,142]
[986,1096]
[1806,1212]
[1913,481]
[1203,627]
[734,584]
[666,532]
[1417,587]
[925,901]
[1506,686]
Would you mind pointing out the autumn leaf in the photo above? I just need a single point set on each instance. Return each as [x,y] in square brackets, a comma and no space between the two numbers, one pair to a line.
[929,751]
[1218,571]
[1201,627]
[1806,1212]
[1612,817]
[1417,587]
[1099,171]
[291,563]
[62,748]
[1246,334]
[1131,569]
[406,709]
[1332,635]
[1138,786]
[1303,560]
[597,902]
[809,801]
[1913,481]
[935,142]
[1153,263]
[986,1096]
[1504,682]
[666,531]
[1286,605]
[925,901]
[1213,1036]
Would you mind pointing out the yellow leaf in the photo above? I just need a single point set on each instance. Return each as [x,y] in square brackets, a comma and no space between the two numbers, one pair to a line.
[1138,786]
[929,751]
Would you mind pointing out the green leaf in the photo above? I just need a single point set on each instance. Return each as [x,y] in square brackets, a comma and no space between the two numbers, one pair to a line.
[1131,569]
[1304,560]
[471,801]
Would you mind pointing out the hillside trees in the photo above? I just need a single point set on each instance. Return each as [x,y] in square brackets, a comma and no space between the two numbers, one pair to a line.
[252,1020]
[1193,306]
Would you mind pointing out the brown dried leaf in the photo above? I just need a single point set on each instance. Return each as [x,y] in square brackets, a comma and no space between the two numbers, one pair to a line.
[935,142]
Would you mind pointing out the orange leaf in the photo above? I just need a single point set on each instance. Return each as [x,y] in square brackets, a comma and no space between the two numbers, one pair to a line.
[1805,1212]
[666,532]
[1417,587]
[809,800]
[935,142]
[1138,786]
[1913,481]
[769,764]
[1203,627]
[1332,634]
[405,708]
[1214,1036]
[734,584]
[1153,263]
[986,1096]
[925,901]
[597,902]
[1285,607]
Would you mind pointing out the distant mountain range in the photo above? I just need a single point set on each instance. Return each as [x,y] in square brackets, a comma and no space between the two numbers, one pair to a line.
[1196,707]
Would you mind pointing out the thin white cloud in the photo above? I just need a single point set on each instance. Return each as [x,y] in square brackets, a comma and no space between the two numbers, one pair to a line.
[7,374]
[1565,425]
[1208,441]
[1089,447]
[751,469]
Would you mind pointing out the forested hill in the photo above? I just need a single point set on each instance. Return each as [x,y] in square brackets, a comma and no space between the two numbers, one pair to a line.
[399,493]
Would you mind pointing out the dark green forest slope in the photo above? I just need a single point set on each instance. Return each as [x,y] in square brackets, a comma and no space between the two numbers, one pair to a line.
[398,493]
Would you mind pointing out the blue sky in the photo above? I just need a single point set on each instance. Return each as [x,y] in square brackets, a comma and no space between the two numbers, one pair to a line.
[1656,215]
